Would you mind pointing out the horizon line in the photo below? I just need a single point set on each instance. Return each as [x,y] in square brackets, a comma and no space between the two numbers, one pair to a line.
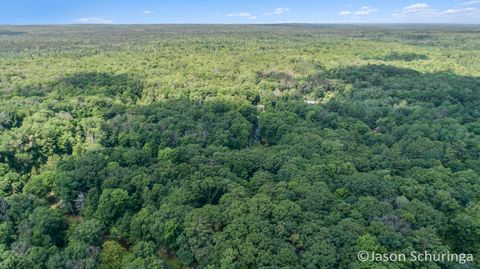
[228,23]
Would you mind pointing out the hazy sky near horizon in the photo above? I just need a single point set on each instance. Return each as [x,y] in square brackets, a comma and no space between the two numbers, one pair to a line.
[247,11]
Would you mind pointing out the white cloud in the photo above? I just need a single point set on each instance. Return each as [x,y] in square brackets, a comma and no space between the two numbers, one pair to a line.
[94,20]
[364,11]
[277,11]
[148,12]
[469,3]
[455,11]
[422,10]
[242,14]
[281,10]
[415,8]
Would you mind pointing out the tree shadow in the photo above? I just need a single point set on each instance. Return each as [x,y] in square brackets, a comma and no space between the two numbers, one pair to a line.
[430,88]
[425,118]
[399,56]
[102,84]
[285,80]
[7,32]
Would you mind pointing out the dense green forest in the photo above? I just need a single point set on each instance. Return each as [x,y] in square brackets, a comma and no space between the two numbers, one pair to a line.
[267,146]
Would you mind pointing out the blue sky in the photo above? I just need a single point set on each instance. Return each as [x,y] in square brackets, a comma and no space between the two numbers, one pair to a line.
[246,11]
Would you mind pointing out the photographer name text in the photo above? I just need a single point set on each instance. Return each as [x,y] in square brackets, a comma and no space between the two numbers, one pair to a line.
[414,256]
